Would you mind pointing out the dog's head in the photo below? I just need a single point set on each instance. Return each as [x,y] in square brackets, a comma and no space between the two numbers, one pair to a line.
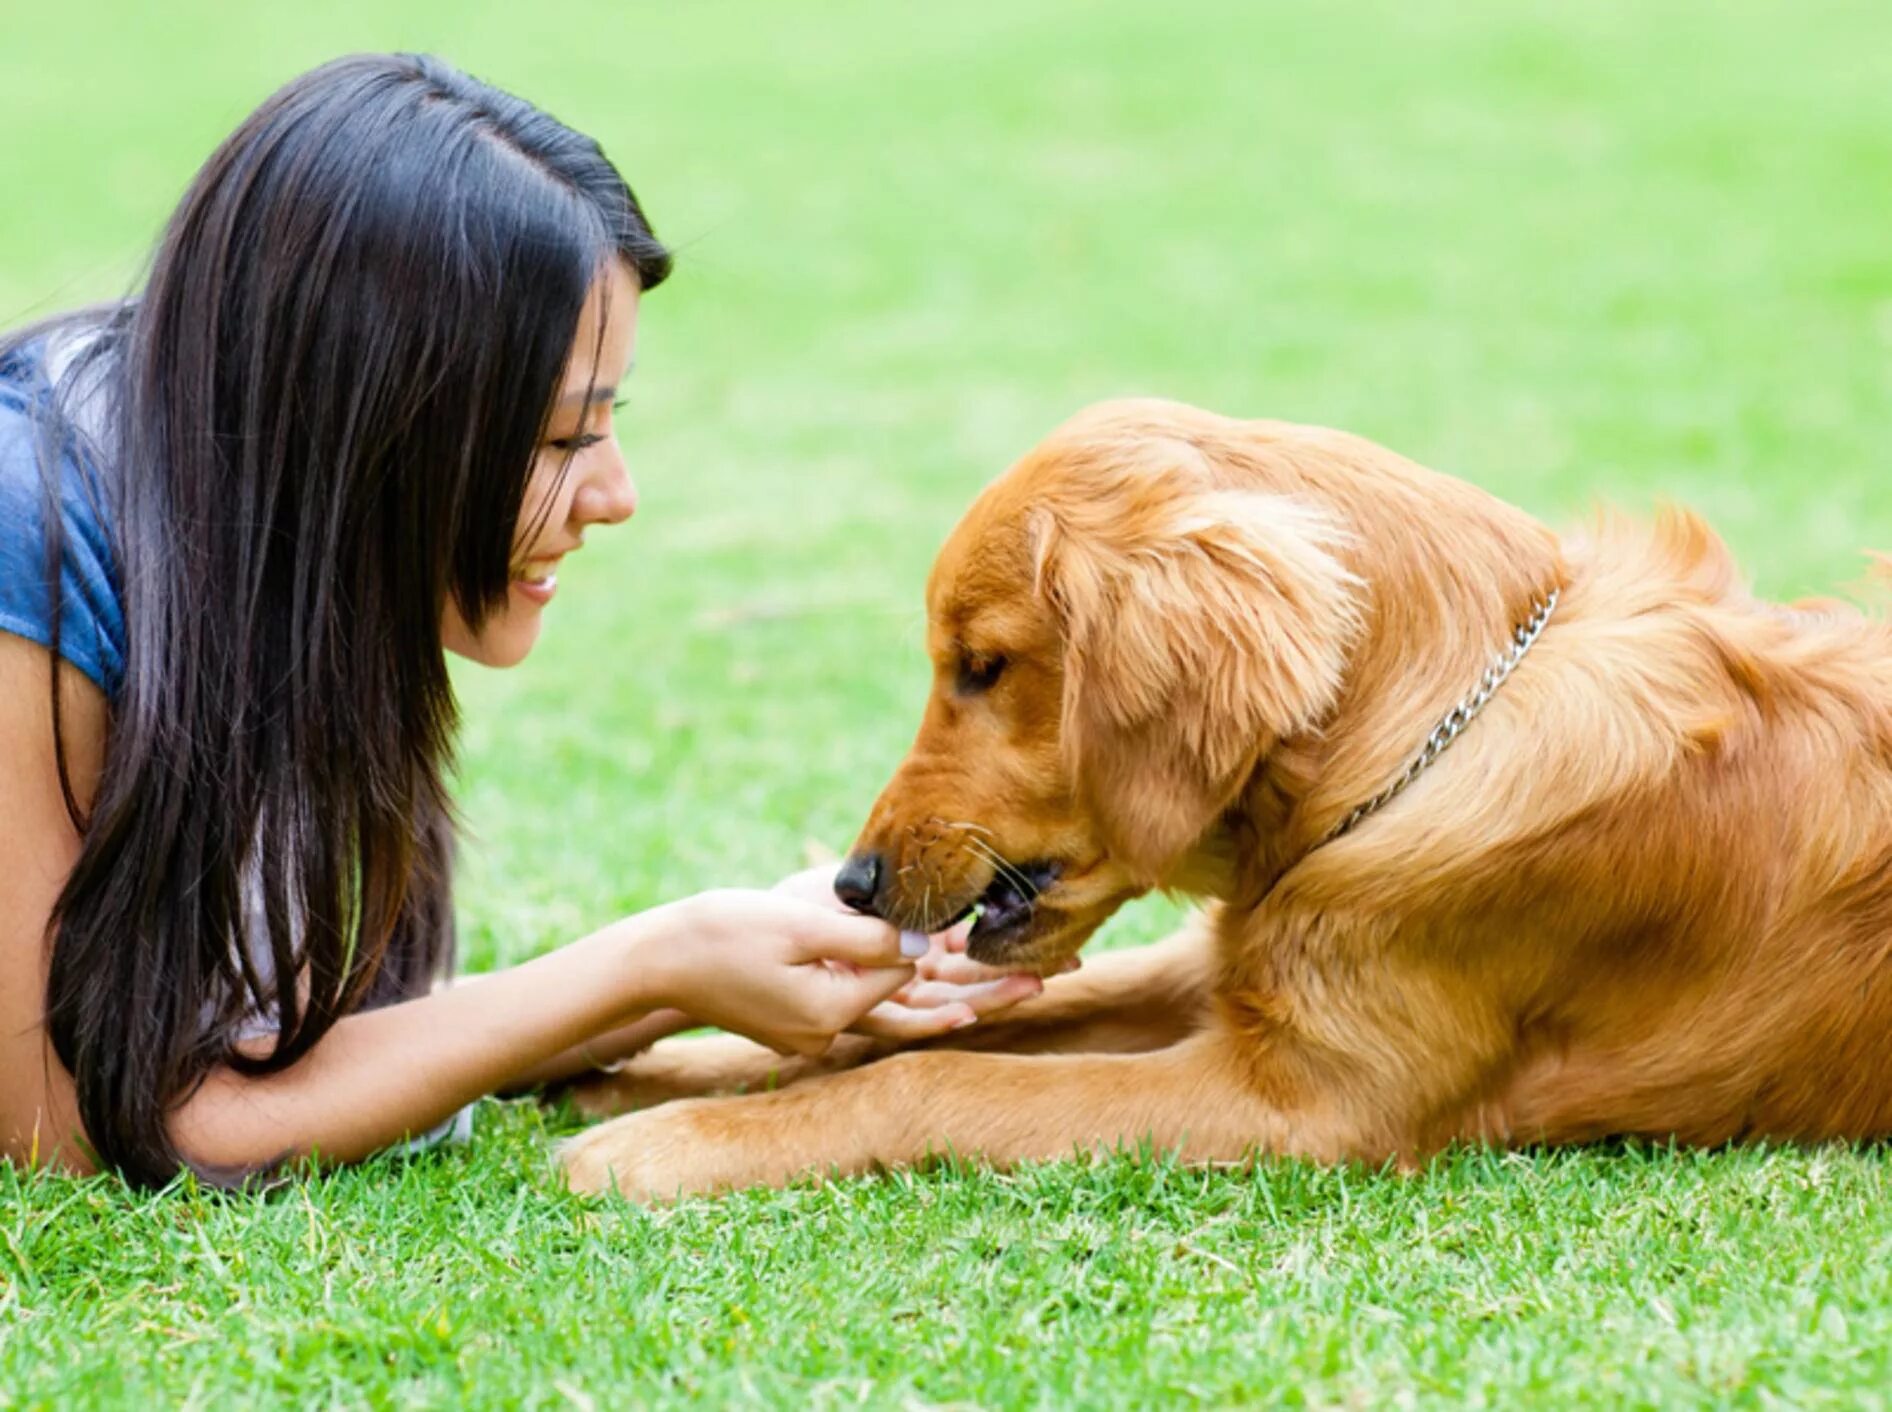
[1121,629]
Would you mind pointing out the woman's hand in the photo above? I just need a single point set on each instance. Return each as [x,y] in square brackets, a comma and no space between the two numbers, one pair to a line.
[944,990]
[782,970]
[949,990]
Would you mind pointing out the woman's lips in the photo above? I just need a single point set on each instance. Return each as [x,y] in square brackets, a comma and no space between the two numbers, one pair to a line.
[539,590]
[537,579]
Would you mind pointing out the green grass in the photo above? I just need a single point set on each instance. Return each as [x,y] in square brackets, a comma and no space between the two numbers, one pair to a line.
[1615,251]
[1592,1279]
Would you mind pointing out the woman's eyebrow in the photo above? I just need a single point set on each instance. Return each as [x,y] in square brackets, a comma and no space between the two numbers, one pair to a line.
[578,396]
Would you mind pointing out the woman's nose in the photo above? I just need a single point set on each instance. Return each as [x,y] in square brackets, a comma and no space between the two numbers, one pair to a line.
[608,496]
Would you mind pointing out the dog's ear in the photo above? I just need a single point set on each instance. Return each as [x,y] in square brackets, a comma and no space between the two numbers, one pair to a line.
[1200,626]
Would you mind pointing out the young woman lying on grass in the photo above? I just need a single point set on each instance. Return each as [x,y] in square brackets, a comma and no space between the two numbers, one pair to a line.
[358,415]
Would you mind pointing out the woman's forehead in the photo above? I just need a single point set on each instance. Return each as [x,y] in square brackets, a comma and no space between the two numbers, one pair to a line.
[604,343]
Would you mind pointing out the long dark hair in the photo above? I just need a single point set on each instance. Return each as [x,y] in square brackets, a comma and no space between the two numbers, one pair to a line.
[325,406]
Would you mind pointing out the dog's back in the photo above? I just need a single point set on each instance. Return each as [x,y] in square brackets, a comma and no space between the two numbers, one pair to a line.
[1669,851]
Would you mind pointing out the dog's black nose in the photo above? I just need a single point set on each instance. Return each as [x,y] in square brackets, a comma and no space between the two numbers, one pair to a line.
[858,881]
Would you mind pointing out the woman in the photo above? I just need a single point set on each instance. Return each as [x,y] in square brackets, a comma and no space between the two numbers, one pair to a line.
[359,414]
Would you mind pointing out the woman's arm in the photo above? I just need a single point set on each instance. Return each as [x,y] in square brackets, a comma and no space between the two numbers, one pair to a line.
[387,1074]
[600,1051]
[758,963]
[39,1117]
[374,1079]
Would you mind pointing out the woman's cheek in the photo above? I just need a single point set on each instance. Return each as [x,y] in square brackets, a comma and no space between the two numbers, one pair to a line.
[548,496]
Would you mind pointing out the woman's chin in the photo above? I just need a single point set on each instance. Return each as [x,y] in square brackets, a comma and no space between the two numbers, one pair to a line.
[504,640]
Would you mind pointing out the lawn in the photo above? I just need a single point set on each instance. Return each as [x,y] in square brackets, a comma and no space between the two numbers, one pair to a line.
[1619,252]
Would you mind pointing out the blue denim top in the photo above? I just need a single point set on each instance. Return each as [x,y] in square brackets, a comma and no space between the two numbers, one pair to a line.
[91,608]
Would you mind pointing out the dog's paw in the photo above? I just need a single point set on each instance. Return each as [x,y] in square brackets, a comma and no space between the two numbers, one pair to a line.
[651,1157]
[694,1066]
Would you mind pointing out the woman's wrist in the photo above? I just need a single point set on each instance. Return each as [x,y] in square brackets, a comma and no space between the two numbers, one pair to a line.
[641,954]
[623,973]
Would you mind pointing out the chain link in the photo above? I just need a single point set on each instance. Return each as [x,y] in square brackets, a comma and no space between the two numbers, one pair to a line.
[1455,720]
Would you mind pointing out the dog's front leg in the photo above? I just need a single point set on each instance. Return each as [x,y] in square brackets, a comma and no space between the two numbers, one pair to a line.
[694,1066]
[1194,1098]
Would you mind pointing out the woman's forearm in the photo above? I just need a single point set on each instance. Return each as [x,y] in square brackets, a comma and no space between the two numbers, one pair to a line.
[601,1051]
[385,1075]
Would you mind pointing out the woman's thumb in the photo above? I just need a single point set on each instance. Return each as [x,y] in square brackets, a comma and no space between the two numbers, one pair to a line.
[864,941]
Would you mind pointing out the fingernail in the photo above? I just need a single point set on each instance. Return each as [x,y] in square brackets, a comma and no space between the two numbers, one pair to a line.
[913,945]
[969,1020]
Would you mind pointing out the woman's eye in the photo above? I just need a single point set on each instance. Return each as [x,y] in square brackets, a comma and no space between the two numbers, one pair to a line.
[570,444]
[977,674]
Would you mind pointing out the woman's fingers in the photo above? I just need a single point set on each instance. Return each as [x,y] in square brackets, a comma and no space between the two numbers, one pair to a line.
[954,938]
[926,1009]
[961,970]
[849,936]
[892,1020]
[856,991]
[984,997]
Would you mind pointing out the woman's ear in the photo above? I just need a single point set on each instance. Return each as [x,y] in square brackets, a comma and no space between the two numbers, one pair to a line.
[1200,626]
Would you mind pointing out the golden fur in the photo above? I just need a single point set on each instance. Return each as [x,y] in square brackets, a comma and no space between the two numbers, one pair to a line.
[1649,890]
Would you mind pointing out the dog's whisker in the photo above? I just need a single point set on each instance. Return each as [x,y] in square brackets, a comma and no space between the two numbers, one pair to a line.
[970,828]
[970,841]
[938,881]
[1007,867]
[1007,870]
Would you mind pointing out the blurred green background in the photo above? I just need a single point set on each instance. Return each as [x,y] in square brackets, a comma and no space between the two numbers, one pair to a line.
[1609,252]
[1617,252]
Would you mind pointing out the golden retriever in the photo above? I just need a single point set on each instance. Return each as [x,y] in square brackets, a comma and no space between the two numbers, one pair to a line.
[1648,890]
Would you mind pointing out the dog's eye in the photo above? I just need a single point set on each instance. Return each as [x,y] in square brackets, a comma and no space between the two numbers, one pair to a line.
[977,674]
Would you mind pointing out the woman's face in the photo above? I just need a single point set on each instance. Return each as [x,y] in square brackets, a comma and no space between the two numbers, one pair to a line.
[595,490]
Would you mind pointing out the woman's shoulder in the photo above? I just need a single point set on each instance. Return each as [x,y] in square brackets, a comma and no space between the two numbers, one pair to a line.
[23,430]
[91,611]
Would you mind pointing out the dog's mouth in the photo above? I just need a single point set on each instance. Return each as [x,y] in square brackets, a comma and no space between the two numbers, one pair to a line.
[1003,912]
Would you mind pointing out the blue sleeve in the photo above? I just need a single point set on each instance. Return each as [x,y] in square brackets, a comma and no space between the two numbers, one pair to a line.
[92,620]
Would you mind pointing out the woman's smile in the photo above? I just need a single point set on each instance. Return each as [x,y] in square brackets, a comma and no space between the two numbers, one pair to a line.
[537,579]
[538,589]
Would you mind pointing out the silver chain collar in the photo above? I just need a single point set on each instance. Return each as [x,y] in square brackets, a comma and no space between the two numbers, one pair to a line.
[1455,720]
